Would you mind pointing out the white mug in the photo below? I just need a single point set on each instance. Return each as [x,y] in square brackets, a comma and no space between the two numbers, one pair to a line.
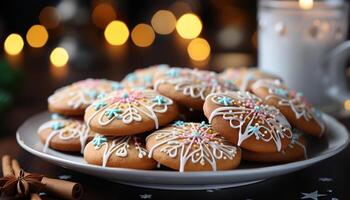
[306,48]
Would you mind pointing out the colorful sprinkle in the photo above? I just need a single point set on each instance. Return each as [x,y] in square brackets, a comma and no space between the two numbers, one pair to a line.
[179,123]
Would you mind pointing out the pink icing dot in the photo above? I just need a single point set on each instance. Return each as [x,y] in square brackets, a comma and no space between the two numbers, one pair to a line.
[124,96]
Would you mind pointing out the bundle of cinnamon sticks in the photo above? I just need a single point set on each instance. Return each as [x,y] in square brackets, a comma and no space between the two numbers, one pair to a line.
[17,182]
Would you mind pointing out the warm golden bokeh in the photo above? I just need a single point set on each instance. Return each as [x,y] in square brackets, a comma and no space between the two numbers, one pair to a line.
[198,49]
[116,33]
[37,36]
[142,35]
[347,104]
[163,22]
[13,44]
[306,4]
[189,26]
[49,17]
[103,14]
[59,57]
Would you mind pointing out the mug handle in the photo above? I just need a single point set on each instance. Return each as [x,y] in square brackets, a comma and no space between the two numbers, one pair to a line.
[336,78]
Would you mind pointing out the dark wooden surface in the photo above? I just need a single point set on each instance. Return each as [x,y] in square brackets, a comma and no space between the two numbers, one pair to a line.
[38,83]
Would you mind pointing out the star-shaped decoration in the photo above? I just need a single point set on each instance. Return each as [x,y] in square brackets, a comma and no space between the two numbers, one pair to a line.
[98,141]
[173,72]
[159,100]
[64,177]
[57,126]
[98,105]
[325,179]
[313,195]
[145,196]
[224,100]
[253,129]
[117,86]
[92,94]
[179,123]
[112,112]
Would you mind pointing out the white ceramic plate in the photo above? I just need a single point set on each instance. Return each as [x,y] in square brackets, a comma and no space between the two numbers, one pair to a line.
[335,140]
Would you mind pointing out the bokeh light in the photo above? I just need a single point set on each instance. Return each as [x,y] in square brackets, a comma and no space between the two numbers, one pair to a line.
[347,104]
[198,49]
[103,14]
[116,33]
[59,57]
[163,22]
[142,35]
[306,4]
[37,36]
[13,44]
[49,17]
[189,26]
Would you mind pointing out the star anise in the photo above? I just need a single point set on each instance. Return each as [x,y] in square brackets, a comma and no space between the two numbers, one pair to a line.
[23,185]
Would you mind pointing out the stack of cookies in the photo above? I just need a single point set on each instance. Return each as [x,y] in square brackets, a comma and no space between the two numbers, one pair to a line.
[183,119]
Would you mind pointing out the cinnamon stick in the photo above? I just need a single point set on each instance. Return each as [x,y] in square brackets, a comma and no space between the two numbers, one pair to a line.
[64,189]
[6,166]
[15,167]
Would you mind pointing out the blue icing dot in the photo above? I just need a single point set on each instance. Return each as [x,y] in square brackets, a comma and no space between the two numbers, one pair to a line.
[257,108]
[253,129]
[125,95]
[101,95]
[148,79]
[57,126]
[159,100]
[98,141]
[179,123]
[281,92]
[92,94]
[56,116]
[195,133]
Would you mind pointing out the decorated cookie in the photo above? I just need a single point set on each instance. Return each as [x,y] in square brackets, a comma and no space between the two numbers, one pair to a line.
[245,120]
[129,112]
[244,77]
[295,151]
[124,152]
[189,87]
[74,98]
[65,134]
[143,78]
[292,104]
[188,146]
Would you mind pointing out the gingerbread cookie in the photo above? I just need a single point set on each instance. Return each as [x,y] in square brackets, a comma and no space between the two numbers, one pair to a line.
[124,152]
[143,78]
[244,77]
[65,134]
[245,120]
[292,104]
[129,112]
[188,146]
[74,98]
[295,151]
[189,87]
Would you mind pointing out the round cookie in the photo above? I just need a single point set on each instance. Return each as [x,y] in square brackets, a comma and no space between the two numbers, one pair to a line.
[245,120]
[74,98]
[295,151]
[188,146]
[244,77]
[292,104]
[189,87]
[129,112]
[143,77]
[124,152]
[62,134]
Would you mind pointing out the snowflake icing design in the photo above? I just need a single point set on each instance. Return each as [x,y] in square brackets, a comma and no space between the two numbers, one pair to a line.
[295,100]
[119,146]
[252,118]
[82,93]
[129,105]
[195,142]
[193,83]
[68,130]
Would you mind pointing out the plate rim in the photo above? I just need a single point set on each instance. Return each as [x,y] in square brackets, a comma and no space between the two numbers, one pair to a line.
[168,173]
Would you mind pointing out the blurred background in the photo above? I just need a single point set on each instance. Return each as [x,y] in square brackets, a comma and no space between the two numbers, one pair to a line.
[48,44]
